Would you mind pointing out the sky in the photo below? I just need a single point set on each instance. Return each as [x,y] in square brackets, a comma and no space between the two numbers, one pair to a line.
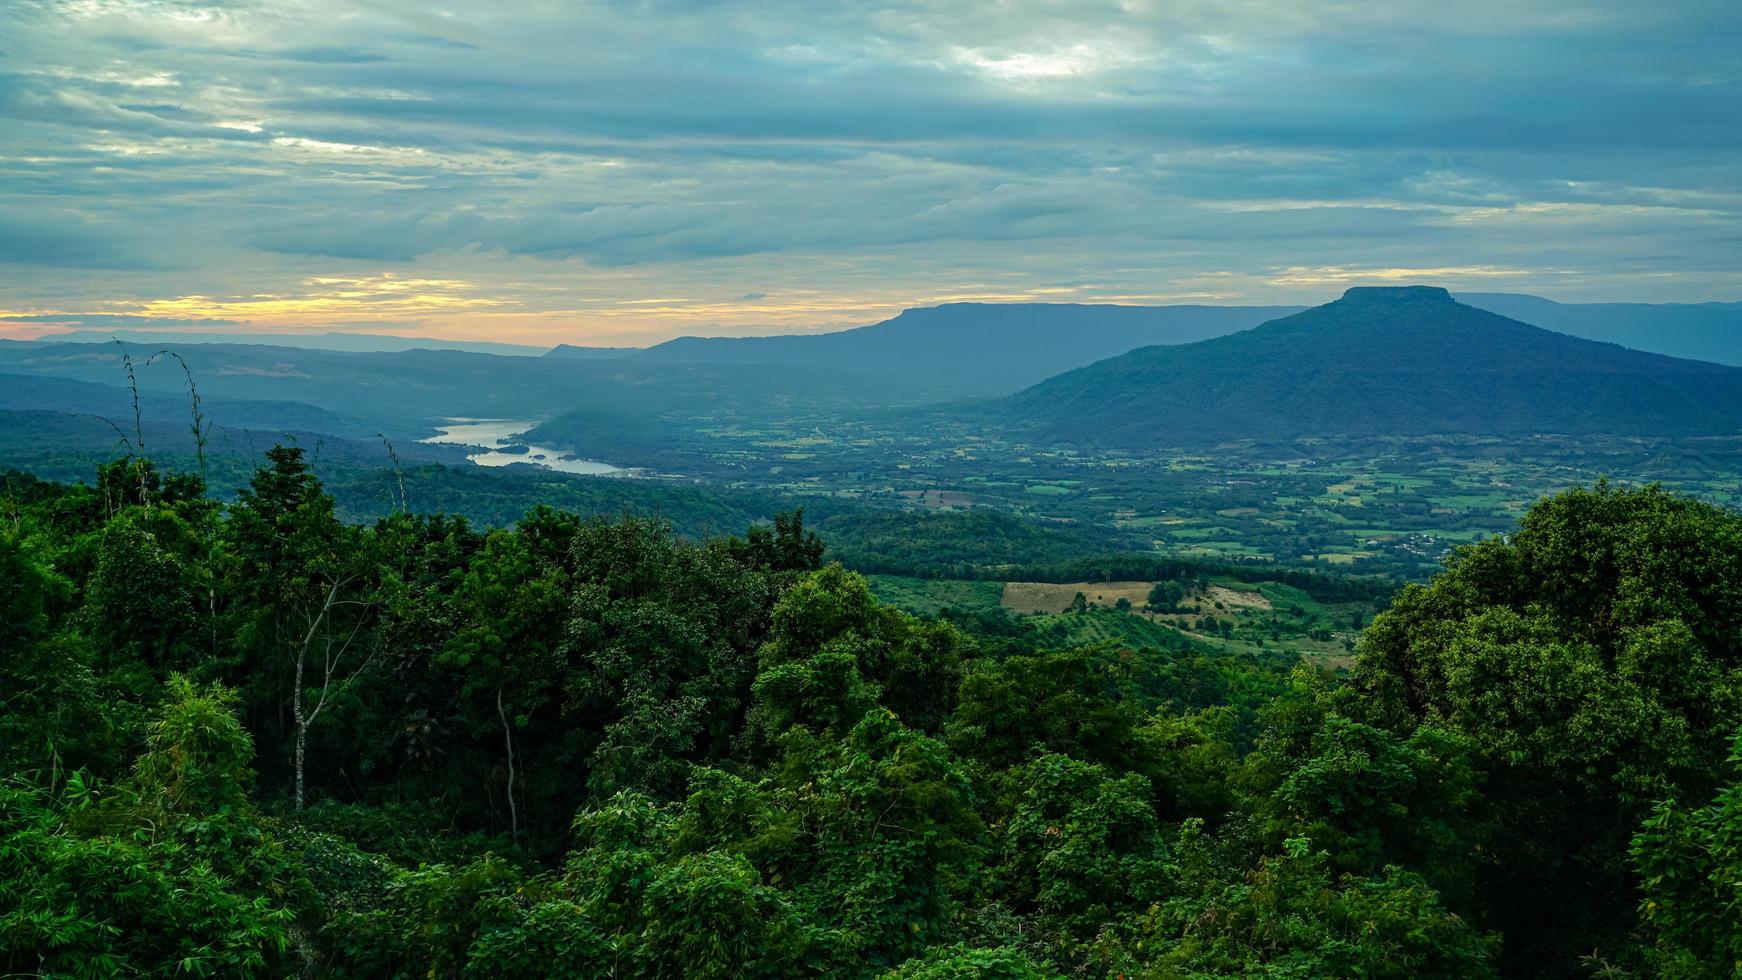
[543,171]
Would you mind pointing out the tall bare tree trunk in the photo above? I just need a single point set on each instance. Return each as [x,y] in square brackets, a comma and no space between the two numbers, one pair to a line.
[331,661]
[508,737]
[301,727]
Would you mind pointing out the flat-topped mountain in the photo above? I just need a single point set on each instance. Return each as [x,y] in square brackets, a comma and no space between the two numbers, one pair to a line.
[1404,360]
[996,348]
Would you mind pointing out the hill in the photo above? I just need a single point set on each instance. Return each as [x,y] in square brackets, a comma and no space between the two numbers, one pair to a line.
[1380,361]
[1701,331]
[981,347]
[404,392]
[21,392]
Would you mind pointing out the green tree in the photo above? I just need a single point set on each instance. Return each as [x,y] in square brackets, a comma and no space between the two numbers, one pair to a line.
[1082,846]
[140,602]
[167,872]
[1293,916]
[1590,662]
[962,962]
[301,596]
[1080,703]
[1166,595]
[828,621]
[788,547]
[51,713]
[660,650]
[503,659]
[710,915]
[895,836]
[1690,869]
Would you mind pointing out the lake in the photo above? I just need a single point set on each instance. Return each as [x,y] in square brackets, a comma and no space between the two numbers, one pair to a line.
[494,435]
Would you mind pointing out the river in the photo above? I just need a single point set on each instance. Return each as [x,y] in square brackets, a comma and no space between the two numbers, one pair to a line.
[494,435]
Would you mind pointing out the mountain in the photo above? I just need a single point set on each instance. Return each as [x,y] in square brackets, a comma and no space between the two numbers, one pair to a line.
[1380,361]
[980,348]
[591,353]
[1702,331]
[355,343]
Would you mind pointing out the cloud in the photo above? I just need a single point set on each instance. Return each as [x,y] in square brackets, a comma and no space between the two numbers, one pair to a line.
[562,160]
[70,241]
[103,321]
[325,297]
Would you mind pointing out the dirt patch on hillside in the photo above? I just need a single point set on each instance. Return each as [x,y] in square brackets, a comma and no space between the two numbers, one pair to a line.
[1051,597]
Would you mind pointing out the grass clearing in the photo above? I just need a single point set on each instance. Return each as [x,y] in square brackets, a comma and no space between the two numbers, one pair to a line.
[929,596]
[1236,598]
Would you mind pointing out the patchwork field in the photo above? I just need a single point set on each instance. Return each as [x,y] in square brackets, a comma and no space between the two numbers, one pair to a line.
[940,499]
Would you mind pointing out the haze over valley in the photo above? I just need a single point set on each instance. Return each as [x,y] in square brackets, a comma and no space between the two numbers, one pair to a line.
[1231,433]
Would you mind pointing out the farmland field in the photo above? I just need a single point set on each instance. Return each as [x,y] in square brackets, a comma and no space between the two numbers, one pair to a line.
[1260,618]
[1393,506]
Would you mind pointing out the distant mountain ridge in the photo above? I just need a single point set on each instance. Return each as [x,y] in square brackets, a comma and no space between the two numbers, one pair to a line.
[985,347]
[1379,361]
[1700,331]
[349,343]
[581,353]
[988,349]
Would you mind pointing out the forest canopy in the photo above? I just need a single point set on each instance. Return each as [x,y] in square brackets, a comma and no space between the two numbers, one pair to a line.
[250,739]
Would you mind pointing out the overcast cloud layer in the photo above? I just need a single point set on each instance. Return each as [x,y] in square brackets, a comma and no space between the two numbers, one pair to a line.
[537,170]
